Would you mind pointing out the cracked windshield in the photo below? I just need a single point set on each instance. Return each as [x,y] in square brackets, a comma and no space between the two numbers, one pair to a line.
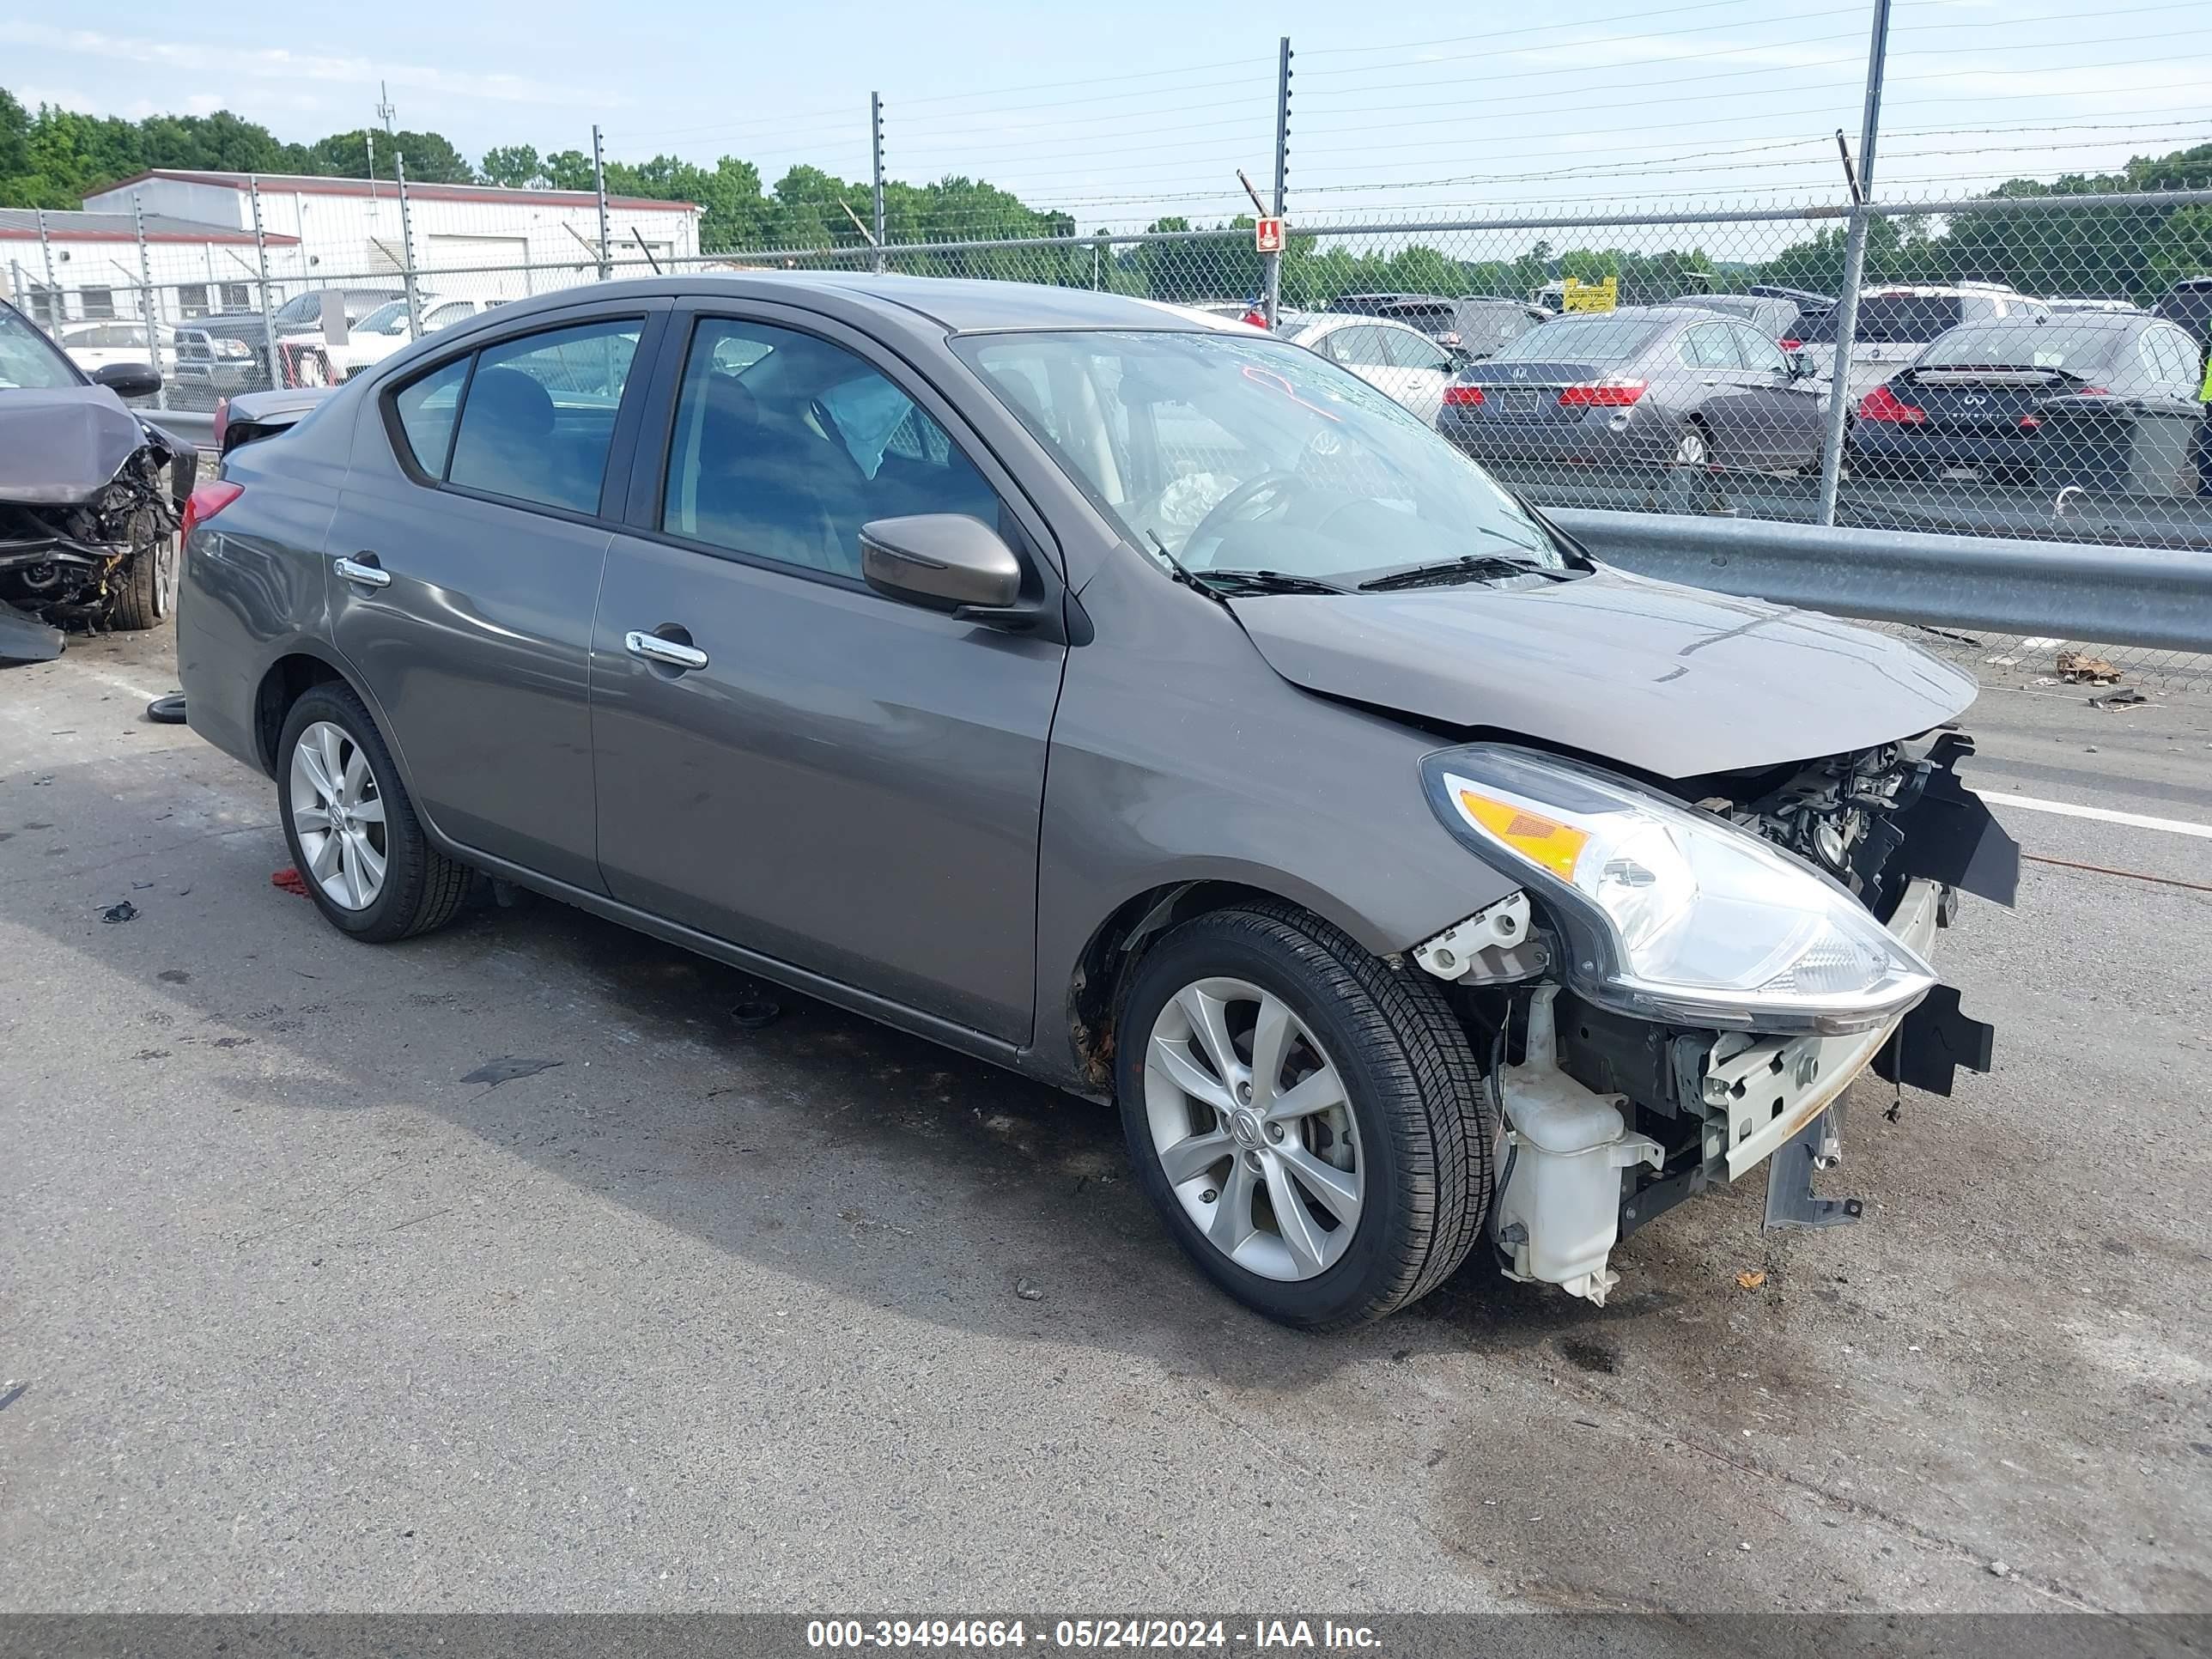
[1245,461]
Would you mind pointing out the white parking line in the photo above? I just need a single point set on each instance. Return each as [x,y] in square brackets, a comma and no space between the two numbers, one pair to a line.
[2102,814]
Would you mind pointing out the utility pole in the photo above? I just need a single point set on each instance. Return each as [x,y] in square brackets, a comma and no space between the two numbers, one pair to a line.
[1274,295]
[599,188]
[147,309]
[384,109]
[369,133]
[876,129]
[1847,299]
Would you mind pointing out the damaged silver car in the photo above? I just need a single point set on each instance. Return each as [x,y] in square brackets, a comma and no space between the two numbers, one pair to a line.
[90,495]
[1158,710]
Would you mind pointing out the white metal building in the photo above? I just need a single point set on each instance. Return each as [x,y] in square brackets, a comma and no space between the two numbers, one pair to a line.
[518,241]
[85,267]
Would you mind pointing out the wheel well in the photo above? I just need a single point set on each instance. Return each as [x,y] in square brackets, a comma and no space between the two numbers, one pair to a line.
[286,682]
[1094,995]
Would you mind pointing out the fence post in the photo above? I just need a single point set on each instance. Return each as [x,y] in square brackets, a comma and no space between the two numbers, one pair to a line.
[268,310]
[15,290]
[876,131]
[1847,298]
[147,308]
[600,189]
[1273,297]
[55,309]
[407,249]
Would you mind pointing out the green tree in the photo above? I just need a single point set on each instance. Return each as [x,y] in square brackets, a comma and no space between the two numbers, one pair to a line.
[515,166]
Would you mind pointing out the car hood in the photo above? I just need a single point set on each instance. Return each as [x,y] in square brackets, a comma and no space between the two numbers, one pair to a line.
[64,445]
[1673,681]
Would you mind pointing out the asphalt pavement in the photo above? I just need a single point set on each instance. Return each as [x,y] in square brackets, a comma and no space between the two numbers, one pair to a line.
[302,1310]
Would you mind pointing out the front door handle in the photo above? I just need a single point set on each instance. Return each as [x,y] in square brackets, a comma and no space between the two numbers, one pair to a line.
[368,575]
[668,652]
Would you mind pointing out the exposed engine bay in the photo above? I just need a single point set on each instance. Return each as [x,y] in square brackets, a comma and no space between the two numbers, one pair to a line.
[90,501]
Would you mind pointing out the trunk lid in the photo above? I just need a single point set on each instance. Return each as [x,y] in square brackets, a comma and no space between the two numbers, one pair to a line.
[1526,391]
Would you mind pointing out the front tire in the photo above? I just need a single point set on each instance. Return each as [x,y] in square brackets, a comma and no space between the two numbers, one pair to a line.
[149,581]
[1308,1121]
[354,838]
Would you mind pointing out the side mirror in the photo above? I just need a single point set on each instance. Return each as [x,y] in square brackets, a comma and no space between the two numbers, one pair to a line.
[1799,368]
[129,380]
[946,562]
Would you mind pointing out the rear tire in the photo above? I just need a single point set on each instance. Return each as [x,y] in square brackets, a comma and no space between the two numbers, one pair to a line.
[1385,1193]
[354,834]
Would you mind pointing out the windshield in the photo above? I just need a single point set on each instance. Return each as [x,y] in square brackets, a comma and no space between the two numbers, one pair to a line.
[2025,345]
[1232,452]
[28,361]
[1600,339]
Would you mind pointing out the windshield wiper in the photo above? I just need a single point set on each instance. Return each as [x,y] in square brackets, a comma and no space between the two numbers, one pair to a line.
[1468,568]
[1266,581]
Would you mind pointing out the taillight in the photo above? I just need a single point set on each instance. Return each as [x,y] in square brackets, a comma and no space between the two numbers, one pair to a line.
[1257,318]
[1883,404]
[204,502]
[1792,345]
[1462,396]
[1612,393]
[221,422]
[2091,391]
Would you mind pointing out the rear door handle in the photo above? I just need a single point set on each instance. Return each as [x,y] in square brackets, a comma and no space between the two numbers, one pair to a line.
[654,648]
[368,575]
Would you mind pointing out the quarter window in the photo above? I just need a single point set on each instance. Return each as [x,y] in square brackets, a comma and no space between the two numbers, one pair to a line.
[1708,346]
[785,445]
[426,409]
[539,416]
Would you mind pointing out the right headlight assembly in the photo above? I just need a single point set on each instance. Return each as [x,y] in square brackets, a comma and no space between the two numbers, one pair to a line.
[1672,913]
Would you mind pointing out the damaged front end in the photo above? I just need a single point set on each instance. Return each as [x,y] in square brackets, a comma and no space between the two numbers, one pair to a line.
[1688,983]
[90,503]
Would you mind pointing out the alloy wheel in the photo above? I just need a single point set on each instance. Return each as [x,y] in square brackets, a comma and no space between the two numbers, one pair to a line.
[1253,1128]
[1691,448]
[337,811]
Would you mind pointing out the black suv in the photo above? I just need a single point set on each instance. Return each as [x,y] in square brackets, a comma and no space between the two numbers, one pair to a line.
[229,352]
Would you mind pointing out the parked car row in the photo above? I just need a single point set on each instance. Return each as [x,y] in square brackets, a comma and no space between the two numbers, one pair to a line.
[229,352]
[1972,377]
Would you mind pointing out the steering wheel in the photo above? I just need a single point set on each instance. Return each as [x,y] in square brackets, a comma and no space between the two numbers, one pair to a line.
[1242,496]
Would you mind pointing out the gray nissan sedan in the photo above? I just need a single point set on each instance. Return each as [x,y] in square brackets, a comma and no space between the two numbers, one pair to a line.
[1156,709]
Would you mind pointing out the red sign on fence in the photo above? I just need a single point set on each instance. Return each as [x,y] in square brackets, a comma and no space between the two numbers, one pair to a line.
[1267,235]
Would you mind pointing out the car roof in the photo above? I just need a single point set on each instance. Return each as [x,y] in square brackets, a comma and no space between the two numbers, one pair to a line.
[961,305]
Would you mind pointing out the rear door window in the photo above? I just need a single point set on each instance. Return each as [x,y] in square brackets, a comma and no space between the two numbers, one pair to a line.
[1360,347]
[1408,350]
[539,416]
[1759,352]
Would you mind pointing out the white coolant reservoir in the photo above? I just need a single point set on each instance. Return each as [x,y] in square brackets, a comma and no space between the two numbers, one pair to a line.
[1559,1215]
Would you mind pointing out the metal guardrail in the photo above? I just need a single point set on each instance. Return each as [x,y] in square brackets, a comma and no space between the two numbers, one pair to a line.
[2118,595]
[195,426]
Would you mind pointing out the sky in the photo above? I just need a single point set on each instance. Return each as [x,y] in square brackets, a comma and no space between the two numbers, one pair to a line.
[1119,114]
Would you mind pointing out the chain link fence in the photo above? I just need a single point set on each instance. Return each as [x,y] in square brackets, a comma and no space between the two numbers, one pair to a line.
[2027,363]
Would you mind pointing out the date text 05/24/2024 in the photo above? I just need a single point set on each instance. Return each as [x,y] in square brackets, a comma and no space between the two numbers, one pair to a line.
[1091,1634]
